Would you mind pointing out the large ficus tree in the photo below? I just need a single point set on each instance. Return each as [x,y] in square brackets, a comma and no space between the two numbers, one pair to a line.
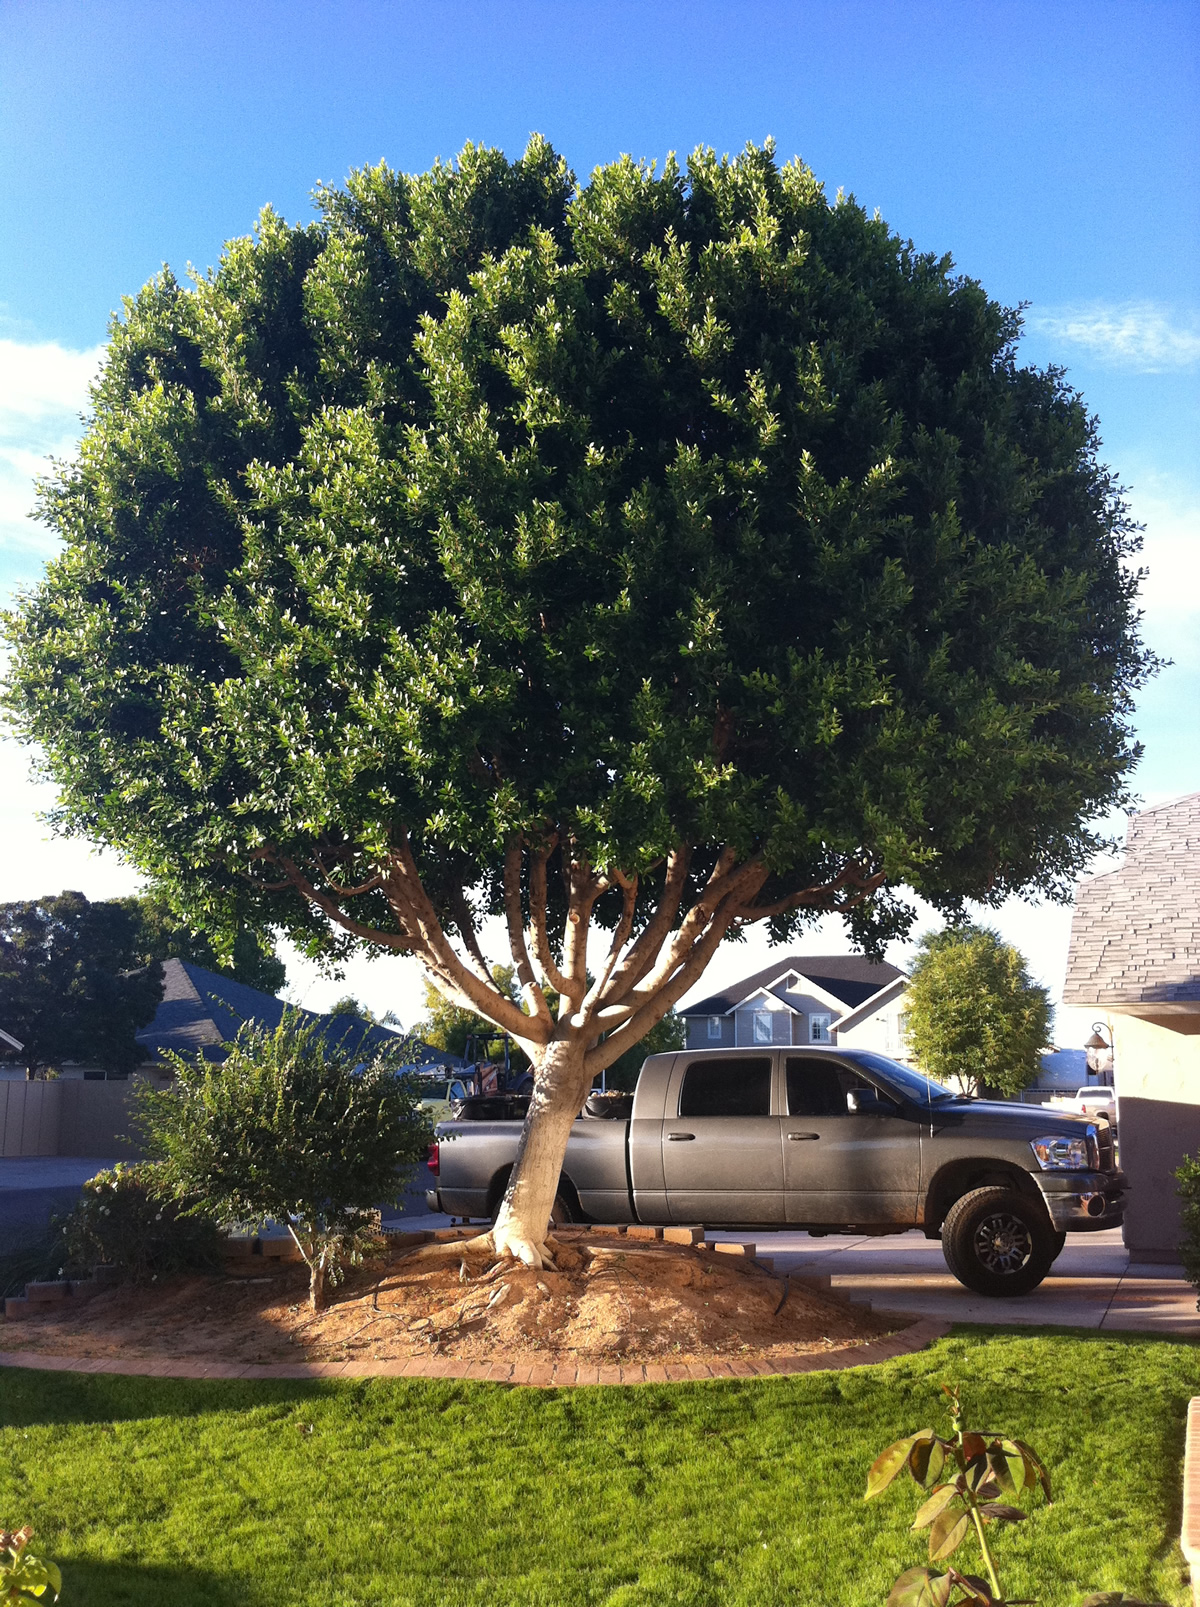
[656,555]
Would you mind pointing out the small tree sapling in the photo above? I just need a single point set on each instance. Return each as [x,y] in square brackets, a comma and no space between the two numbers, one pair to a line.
[290,1128]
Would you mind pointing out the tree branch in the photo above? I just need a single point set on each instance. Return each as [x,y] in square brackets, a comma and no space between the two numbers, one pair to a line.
[648,942]
[532,993]
[537,916]
[629,890]
[404,886]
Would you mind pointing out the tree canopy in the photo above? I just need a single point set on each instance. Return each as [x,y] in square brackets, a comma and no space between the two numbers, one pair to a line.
[974,1015]
[74,982]
[661,553]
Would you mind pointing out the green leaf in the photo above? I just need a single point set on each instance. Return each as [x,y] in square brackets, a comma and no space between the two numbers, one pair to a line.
[937,1502]
[1017,1466]
[920,1587]
[1038,1466]
[888,1464]
[927,1459]
[947,1534]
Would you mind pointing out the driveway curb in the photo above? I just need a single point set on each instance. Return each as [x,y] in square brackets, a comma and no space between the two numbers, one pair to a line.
[906,1342]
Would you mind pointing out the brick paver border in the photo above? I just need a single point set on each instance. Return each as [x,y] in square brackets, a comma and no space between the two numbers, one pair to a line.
[1189,1539]
[535,1375]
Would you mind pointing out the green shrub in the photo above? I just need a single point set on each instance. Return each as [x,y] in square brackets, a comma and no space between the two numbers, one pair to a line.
[1187,1178]
[125,1218]
[293,1129]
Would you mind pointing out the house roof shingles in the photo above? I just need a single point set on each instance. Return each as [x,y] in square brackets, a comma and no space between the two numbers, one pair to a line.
[1135,934]
[201,1011]
[852,978]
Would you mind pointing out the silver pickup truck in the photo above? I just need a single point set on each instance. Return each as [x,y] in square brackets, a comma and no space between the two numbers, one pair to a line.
[827,1140]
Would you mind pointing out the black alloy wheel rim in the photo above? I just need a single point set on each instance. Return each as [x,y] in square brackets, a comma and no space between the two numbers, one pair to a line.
[1003,1244]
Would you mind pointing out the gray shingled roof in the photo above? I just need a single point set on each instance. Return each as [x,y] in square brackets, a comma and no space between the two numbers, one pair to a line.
[1135,935]
[852,978]
[200,1011]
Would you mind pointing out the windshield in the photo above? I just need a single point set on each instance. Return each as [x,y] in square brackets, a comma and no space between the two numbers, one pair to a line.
[435,1090]
[912,1084]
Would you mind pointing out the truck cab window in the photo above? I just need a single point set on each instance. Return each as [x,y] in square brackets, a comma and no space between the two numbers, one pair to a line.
[738,1086]
[817,1087]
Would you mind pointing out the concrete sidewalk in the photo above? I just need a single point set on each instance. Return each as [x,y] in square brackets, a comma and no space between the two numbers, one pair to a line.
[1093,1284]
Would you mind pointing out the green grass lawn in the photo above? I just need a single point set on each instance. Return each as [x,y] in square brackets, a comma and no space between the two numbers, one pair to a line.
[739,1494]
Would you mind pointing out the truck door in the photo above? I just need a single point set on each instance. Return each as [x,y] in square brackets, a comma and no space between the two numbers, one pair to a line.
[722,1151]
[844,1166]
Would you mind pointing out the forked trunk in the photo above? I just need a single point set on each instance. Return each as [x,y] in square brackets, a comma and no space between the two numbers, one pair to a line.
[560,1084]
[313,1251]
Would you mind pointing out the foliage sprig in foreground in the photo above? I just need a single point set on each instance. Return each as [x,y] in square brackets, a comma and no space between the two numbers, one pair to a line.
[966,1476]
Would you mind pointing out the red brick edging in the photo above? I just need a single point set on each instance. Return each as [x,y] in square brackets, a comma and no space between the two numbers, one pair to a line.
[905,1343]
[1189,1539]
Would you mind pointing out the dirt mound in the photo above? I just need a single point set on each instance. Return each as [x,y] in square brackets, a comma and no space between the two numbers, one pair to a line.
[610,1299]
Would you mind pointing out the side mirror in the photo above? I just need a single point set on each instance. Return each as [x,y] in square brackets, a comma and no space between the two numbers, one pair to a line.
[868,1102]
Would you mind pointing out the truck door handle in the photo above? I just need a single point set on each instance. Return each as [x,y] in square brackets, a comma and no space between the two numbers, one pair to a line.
[796,1137]
[679,1138]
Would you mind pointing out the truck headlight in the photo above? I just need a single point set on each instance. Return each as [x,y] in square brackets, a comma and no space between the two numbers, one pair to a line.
[1059,1153]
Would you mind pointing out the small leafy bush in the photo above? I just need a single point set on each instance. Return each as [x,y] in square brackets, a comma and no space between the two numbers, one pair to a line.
[295,1129]
[126,1218]
[968,1477]
[24,1577]
[1187,1179]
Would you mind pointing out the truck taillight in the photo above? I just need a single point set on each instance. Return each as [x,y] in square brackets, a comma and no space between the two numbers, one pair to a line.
[434,1160]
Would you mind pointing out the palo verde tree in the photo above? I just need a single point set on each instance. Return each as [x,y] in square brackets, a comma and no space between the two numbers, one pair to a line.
[635,559]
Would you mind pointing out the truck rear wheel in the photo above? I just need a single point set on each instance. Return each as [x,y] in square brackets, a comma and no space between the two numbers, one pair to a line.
[997,1242]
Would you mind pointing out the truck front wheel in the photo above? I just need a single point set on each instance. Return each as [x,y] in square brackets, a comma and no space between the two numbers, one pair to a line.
[997,1242]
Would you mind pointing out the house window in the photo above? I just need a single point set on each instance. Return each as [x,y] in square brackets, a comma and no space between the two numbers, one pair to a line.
[818,1028]
[714,1027]
[762,1026]
[901,1029]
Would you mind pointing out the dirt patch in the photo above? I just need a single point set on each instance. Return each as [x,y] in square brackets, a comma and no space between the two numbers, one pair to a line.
[611,1299]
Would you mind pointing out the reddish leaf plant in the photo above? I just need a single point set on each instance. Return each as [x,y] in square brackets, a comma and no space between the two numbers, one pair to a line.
[973,1481]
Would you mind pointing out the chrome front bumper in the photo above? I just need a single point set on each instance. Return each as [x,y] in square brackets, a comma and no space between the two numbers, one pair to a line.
[1083,1204]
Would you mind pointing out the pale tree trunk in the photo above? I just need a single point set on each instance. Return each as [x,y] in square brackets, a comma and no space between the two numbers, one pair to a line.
[560,1085]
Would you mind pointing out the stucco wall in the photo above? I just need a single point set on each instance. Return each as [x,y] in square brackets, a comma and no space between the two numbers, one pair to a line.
[1158,1085]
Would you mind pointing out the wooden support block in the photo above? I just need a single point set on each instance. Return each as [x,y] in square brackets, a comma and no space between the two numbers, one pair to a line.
[407,1239]
[746,1250]
[683,1235]
[84,1288]
[16,1307]
[238,1246]
[641,1230]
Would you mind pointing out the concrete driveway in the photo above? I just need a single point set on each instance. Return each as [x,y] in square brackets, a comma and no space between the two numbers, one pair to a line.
[1093,1284]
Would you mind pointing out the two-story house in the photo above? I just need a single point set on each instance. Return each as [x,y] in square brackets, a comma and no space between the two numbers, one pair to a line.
[841,999]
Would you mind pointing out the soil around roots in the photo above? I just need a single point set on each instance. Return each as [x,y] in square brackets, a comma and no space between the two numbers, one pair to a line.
[608,1299]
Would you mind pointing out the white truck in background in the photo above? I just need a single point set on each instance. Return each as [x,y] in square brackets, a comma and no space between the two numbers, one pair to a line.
[1095,1100]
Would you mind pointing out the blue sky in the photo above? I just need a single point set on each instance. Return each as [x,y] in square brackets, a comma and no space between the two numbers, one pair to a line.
[1051,148]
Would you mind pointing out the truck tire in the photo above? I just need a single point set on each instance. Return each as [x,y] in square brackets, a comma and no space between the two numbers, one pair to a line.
[997,1242]
[1060,1240]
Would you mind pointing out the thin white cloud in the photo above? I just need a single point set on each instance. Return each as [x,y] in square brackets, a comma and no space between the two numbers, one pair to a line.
[1137,335]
